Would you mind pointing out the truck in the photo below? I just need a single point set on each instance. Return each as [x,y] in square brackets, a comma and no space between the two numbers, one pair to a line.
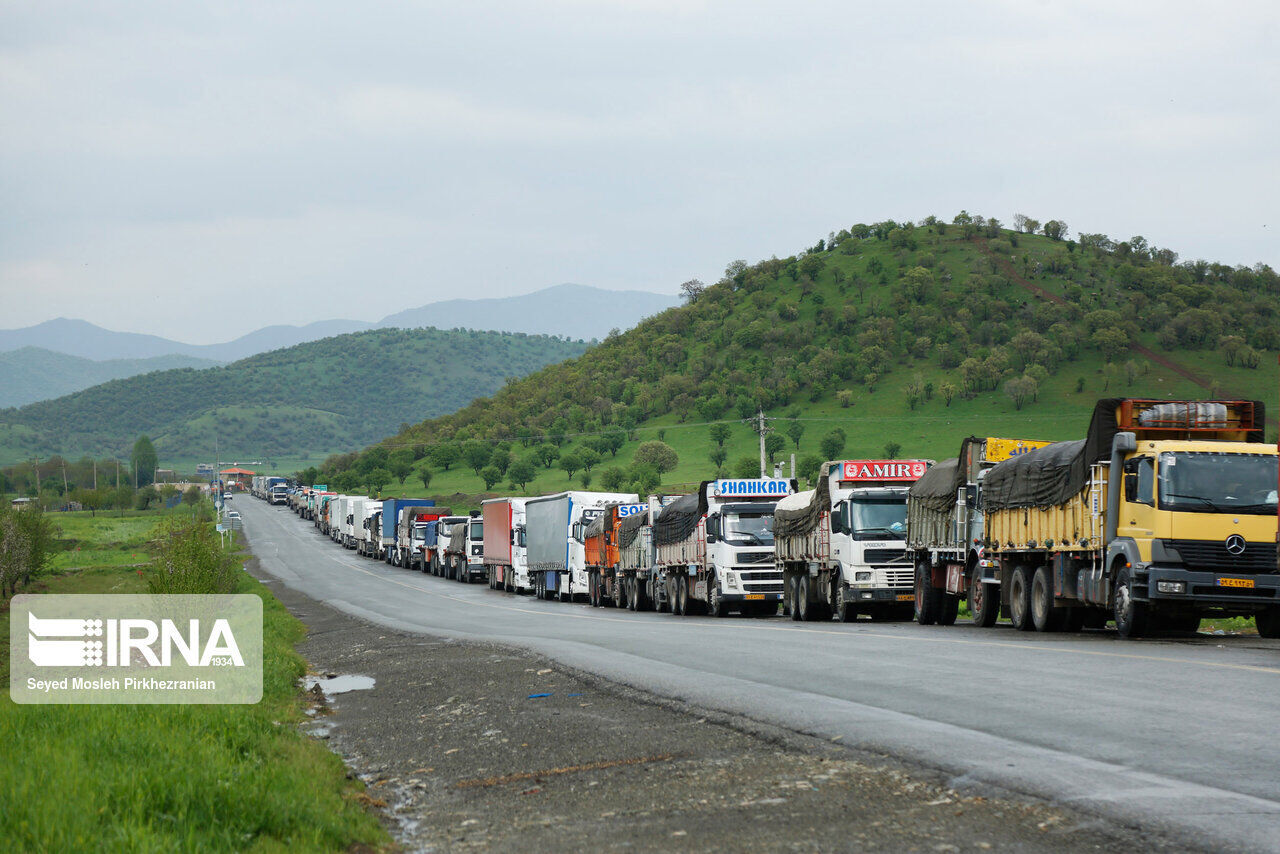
[944,532]
[715,548]
[464,554]
[434,543]
[351,509]
[368,529]
[556,532]
[605,583]
[275,490]
[1163,514]
[414,527]
[388,529]
[841,547]
[506,547]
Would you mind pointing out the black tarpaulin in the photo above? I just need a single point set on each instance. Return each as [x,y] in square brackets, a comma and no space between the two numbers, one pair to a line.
[630,526]
[679,518]
[936,491]
[802,520]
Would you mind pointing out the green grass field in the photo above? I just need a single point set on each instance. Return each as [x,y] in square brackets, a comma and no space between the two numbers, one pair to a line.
[165,778]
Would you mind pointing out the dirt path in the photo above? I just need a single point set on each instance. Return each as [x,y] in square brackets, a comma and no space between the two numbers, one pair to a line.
[480,747]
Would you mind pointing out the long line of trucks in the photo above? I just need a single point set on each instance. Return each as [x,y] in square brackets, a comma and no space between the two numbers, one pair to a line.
[1163,514]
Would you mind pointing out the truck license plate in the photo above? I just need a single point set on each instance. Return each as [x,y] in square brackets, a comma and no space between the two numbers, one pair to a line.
[754,596]
[1235,582]
[906,597]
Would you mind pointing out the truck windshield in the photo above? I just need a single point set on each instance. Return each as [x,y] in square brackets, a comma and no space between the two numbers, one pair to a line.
[748,529]
[1217,483]
[878,518]
[477,530]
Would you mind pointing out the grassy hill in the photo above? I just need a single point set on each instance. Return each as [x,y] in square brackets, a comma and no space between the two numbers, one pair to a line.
[339,392]
[29,374]
[904,337]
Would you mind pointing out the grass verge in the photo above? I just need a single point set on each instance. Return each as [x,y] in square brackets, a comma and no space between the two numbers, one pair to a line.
[165,778]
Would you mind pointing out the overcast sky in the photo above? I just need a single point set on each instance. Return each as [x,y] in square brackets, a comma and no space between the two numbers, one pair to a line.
[199,170]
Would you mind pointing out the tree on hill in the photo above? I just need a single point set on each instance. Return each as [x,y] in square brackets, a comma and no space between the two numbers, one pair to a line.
[375,479]
[521,472]
[547,454]
[425,474]
[144,461]
[795,430]
[490,475]
[832,444]
[658,454]
[571,463]
[476,454]
[400,464]
[774,445]
[719,434]
[746,467]
[444,455]
[717,456]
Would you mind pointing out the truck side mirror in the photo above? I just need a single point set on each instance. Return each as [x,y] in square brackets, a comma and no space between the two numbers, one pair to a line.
[713,528]
[971,496]
[577,531]
[837,519]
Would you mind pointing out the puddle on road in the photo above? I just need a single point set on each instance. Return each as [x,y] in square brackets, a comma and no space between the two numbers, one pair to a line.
[334,685]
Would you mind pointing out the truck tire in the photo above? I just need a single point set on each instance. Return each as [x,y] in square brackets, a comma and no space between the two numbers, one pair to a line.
[808,612]
[1131,617]
[644,602]
[845,610]
[1268,623]
[632,594]
[1044,616]
[1020,600]
[680,599]
[928,600]
[619,595]
[950,610]
[792,587]
[984,602]
[715,601]
[593,590]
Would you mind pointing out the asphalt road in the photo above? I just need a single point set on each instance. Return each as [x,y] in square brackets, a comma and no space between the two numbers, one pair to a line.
[1175,736]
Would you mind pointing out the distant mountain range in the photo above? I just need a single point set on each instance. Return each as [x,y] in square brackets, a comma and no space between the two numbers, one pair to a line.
[29,374]
[30,370]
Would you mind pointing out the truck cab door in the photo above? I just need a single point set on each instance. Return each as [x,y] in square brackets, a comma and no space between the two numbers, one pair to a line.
[1138,516]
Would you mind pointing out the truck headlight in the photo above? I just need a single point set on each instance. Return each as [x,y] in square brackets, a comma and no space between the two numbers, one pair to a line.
[862,576]
[731,581]
[1171,586]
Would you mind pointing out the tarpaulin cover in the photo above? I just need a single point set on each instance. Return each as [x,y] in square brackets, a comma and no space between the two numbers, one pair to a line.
[1055,473]
[937,490]
[458,538]
[597,525]
[800,521]
[630,526]
[679,518]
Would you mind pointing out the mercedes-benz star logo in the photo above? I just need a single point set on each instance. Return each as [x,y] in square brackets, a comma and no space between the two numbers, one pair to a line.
[1235,545]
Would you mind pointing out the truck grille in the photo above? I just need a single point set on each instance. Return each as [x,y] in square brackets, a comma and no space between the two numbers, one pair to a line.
[903,578]
[884,556]
[763,588]
[1213,555]
[761,575]
[755,557]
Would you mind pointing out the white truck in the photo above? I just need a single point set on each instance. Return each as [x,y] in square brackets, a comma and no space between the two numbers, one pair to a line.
[945,533]
[465,551]
[368,529]
[841,547]
[351,519]
[556,532]
[506,551]
[432,539]
[714,548]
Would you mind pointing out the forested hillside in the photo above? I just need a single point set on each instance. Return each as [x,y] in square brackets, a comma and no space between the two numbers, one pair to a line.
[883,339]
[339,392]
[29,374]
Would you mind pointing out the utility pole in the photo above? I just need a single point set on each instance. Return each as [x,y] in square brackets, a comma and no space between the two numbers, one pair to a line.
[35,465]
[762,428]
[65,487]
[95,475]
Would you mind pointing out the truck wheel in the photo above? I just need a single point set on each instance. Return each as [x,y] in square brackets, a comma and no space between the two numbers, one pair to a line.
[632,594]
[619,595]
[1044,616]
[984,602]
[593,590]
[844,609]
[1020,600]
[462,572]
[715,601]
[1268,623]
[792,588]
[1131,617]
[949,611]
[803,604]
[680,597]
[644,602]
[927,599]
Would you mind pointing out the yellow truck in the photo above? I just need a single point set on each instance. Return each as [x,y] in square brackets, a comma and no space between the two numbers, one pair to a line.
[944,533]
[1165,513]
